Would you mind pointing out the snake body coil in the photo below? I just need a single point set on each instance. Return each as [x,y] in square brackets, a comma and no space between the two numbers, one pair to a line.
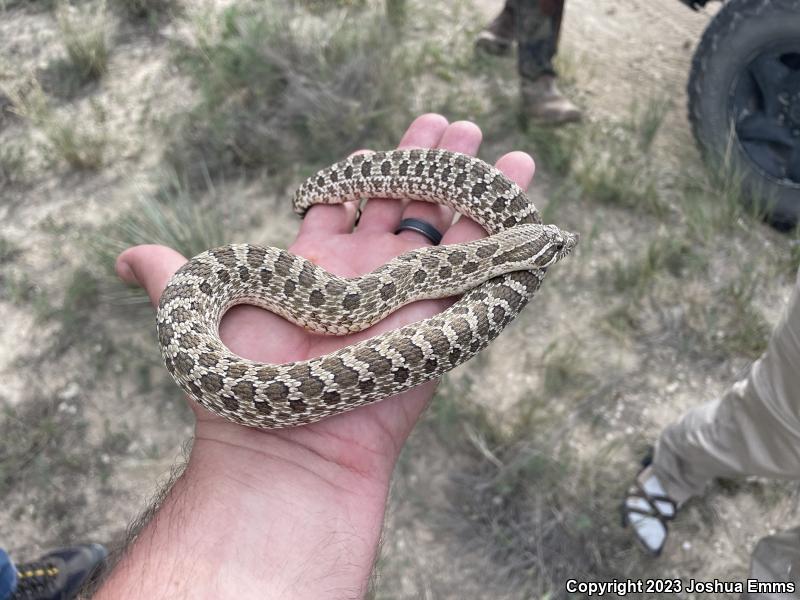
[497,276]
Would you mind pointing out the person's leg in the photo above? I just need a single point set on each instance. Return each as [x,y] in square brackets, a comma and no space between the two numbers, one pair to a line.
[754,429]
[775,564]
[538,28]
[498,36]
[8,576]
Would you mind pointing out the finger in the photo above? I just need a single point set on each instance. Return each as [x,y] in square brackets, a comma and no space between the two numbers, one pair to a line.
[383,214]
[331,219]
[461,136]
[150,267]
[519,168]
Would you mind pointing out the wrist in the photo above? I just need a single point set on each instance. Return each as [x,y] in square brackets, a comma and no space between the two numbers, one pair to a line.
[310,525]
[300,458]
[257,515]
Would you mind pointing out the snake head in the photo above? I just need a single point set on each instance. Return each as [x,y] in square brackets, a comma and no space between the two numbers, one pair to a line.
[570,240]
[561,242]
[533,246]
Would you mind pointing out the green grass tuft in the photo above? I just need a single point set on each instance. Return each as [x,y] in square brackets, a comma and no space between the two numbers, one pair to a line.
[741,328]
[563,370]
[616,163]
[81,148]
[38,4]
[84,33]
[664,255]
[13,164]
[281,87]
[147,9]
[80,142]
[75,311]
[172,217]
[8,250]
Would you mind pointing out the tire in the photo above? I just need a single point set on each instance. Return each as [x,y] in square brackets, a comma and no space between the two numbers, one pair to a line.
[744,102]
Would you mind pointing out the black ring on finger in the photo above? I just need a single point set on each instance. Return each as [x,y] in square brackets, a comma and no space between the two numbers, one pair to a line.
[422,227]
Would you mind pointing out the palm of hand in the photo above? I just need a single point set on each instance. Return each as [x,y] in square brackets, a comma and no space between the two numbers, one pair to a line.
[260,335]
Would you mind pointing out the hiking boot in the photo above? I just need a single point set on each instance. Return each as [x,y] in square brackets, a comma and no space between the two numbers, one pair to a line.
[58,575]
[498,36]
[543,102]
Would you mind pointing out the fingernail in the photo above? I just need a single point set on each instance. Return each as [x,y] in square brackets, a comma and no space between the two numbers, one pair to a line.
[126,273]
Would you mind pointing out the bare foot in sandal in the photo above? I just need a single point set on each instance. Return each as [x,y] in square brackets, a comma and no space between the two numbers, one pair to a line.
[647,509]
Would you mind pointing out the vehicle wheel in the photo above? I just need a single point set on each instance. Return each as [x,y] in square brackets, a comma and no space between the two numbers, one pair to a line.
[744,101]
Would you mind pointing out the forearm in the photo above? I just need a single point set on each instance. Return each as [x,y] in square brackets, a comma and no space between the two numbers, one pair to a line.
[276,521]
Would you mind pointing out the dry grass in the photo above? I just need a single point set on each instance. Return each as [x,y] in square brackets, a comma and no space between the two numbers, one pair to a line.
[544,516]
[521,500]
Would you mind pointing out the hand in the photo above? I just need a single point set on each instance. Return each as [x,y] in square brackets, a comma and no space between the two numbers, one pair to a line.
[347,459]
[327,238]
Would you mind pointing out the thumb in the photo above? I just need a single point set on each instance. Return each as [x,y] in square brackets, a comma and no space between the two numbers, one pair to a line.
[150,267]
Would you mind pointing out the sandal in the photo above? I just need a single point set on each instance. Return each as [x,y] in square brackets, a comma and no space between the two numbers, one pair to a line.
[647,509]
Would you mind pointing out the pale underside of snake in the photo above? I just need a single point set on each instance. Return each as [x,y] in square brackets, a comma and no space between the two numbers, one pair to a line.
[497,276]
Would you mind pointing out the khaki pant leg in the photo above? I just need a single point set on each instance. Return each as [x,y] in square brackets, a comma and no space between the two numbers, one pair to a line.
[754,429]
[776,559]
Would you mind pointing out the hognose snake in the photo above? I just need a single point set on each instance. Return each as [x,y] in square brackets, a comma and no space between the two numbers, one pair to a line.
[497,276]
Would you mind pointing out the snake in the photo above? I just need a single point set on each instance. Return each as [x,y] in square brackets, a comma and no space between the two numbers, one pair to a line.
[493,277]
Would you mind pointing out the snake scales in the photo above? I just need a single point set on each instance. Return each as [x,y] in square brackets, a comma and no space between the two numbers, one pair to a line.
[497,276]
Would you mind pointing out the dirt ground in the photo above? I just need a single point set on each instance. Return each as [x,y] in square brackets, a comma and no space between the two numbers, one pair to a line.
[93,426]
